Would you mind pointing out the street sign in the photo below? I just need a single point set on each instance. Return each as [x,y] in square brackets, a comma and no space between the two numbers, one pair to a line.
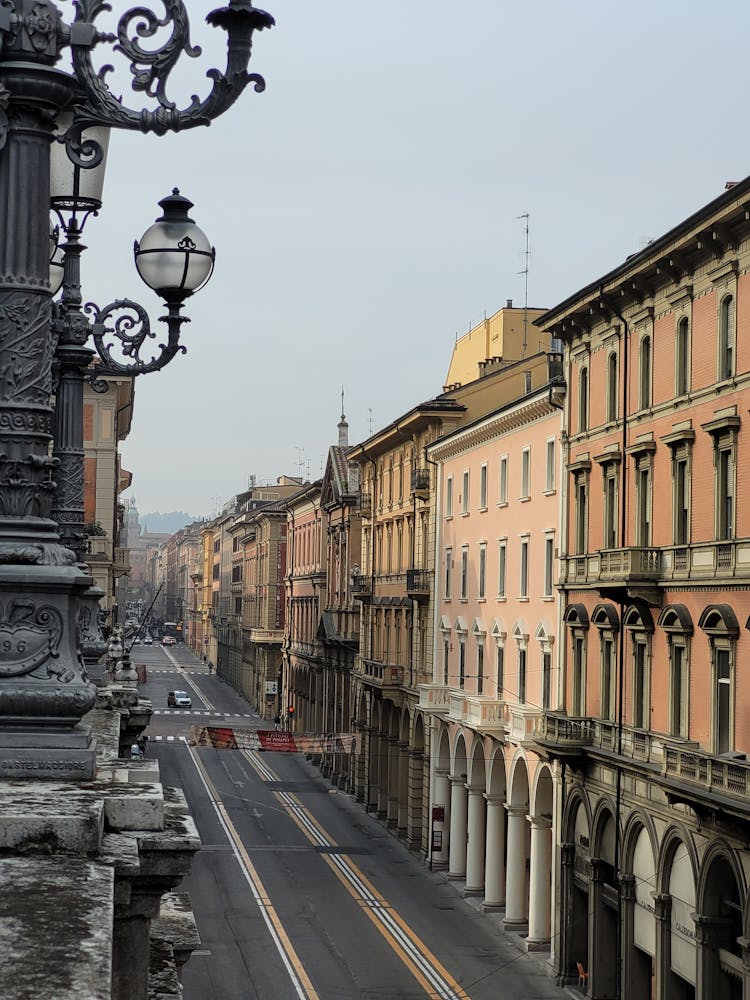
[272,687]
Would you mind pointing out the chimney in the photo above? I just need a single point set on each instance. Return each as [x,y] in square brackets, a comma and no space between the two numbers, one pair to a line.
[509,303]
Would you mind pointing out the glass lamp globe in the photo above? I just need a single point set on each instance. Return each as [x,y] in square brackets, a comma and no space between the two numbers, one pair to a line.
[56,263]
[174,256]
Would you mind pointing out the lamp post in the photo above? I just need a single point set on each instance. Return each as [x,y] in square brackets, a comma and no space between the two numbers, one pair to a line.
[44,689]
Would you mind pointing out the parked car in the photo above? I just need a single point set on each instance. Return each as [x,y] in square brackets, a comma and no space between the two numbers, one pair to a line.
[179,699]
[169,640]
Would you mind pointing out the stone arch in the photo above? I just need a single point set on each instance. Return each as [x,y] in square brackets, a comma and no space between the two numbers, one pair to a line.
[677,881]
[577,799]
[496,777]
[443,755]
[458,757]
[722,903]
[542,797]
[477,771]
[604,829]
[519,782]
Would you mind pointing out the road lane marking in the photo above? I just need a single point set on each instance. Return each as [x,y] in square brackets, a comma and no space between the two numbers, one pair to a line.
[426,968]
[303,988]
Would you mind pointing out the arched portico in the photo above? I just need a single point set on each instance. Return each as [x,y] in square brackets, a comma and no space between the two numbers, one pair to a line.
[476,822]
[518,839]
[459,810]
[540,876]
[719,926]
[494,863]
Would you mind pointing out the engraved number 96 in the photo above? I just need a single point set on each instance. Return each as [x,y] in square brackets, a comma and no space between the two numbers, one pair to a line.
[9,646]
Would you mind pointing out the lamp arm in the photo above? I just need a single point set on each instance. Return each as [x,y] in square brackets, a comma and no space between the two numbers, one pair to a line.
[150,69]
[128,323]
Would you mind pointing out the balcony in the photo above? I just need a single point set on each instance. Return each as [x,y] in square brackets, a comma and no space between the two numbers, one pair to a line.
[563,735]
[420,483]
[382,675]
[634,571]
[487,715]
[361,588]
[419,584]
[99,549]
[522,722]
[434,698]
[726,560]
[267,636]
[701,779]
[365,504]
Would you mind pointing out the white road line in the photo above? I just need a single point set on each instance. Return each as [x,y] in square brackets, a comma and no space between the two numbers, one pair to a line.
[209,705]
[261,899]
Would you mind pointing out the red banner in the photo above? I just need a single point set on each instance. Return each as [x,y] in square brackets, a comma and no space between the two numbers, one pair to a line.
[225,738]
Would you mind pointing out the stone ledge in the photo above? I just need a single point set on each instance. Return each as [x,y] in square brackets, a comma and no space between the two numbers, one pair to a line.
[55,928]
[50,818]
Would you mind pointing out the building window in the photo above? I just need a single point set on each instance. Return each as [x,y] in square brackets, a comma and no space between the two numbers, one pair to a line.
[583,400]
[446,660]
[461,663]
[549,477]
[448,567]
[503,496]
[608,677]
[723,740]
[524,580]
[612,387]
[464,572]
[724,459]
[546,679]
[500,669]
[521,676]
[644,382]
[641,684]
[526,473]
[449,497]
[682,358]
[681,487]
[465,494]
[581,513]
[579,675]
[482,570]
[480,667]
[720,624]
[726,338]
[643,502]
[483,487]
[678,689]
[611,490]
[549,565]
[502,567]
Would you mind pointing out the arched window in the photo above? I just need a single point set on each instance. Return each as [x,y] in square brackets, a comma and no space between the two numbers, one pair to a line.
[606,620]
[675,620]
[726,338]
[682,358]
[583,400]
[719,623]
[637,619]
[612,387]
[645,374]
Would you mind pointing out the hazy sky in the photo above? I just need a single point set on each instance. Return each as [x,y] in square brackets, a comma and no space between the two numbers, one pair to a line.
[365,207]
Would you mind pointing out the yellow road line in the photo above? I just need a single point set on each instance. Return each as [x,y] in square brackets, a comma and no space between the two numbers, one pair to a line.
[262,898]
[284,798]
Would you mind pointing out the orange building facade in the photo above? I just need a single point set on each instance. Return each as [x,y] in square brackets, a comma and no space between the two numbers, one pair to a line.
[652,722]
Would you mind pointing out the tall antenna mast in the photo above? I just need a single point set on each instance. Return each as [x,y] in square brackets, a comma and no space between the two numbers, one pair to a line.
[370,411]
[525,273]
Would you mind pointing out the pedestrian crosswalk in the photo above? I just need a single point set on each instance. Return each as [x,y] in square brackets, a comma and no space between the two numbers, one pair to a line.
[203,712]
[167,739]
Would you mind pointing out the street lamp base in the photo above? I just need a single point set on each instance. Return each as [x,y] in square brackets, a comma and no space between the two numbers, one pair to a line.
[66,755]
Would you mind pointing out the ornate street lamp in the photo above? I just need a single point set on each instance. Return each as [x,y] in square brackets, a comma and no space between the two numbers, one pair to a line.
[44,690]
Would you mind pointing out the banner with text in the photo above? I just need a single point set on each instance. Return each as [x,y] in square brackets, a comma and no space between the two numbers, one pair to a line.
[226,738]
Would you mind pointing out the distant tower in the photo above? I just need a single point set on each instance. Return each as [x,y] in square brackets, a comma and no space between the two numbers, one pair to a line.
[343,425]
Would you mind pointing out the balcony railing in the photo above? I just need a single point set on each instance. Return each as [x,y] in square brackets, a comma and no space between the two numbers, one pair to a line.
[361,587]
[564,731]
[434,698]
[714,774]
[420,482]
[384,674]
[121,560]
[615,567]
[725,559]
[365,504]
[419,584]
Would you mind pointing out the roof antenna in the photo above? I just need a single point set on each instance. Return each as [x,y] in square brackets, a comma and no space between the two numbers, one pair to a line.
[525,273]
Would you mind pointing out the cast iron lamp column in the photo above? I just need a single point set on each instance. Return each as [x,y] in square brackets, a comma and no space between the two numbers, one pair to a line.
[44,691]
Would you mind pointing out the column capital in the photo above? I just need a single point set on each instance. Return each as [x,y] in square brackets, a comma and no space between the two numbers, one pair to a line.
[516,810]
[442,772]
[662,906]
[627,886]
[475,789]
[457,779]
[494,800]
[540,822]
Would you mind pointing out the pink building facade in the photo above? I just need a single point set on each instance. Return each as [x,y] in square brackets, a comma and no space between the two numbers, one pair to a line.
[495,654]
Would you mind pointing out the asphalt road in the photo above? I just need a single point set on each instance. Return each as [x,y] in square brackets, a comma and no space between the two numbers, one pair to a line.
[296,891]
